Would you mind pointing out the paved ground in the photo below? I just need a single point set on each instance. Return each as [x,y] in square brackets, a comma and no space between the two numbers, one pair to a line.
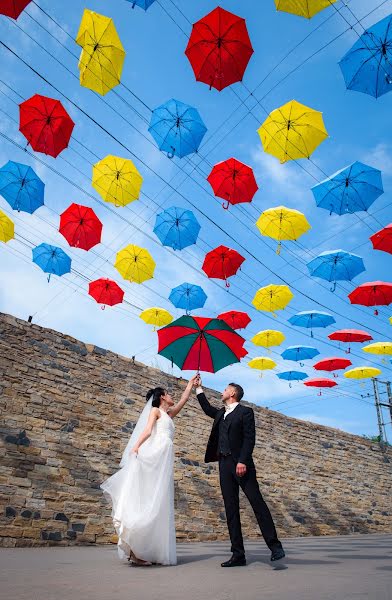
[330,568]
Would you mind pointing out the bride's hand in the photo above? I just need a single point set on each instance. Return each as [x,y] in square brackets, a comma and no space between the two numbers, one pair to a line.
[134,450]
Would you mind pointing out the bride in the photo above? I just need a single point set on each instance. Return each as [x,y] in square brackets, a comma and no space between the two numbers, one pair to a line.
[142,491]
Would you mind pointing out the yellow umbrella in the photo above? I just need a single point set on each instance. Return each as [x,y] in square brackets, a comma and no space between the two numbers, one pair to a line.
[281,223]
[135,264]
[292,131]
[268,338]
[379,348]
[303,8]
[362,373]
[6,228]
[117,180]
[262,363]
[272,297]
[390,320]
[102,57]
[156,316]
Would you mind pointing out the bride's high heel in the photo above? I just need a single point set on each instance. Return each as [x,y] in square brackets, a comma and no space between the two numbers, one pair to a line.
[138,562]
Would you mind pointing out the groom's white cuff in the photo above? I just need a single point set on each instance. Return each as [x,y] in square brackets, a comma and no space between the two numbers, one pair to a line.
[199,390]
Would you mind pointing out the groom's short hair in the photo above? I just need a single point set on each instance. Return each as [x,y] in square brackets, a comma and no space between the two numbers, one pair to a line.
[239,391]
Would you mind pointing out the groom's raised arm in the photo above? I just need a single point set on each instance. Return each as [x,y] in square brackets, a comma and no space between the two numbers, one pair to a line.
[209,410]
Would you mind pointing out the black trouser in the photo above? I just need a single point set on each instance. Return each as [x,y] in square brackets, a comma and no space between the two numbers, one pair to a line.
[230,485]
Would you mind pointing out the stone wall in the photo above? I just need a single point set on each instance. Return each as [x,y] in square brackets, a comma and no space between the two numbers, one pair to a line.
[68,410]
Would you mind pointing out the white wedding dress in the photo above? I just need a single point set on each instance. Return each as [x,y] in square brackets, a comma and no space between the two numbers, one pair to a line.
[142,495]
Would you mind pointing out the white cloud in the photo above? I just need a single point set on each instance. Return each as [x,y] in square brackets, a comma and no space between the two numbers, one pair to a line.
[342,424]
[379,157]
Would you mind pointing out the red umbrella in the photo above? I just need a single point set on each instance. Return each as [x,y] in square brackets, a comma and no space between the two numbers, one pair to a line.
[233,181]
[235,318]
[350,335]
[45,124]
[332,364]
[80,226]
[373,293]
[320,382]
[219,48]
[222,263]
[382,240]
[13,8]
[106,291]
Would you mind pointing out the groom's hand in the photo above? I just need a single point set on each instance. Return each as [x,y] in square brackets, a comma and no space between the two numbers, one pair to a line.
[240,469]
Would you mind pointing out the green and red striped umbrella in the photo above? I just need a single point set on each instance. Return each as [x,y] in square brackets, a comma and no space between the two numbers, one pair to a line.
[200,344]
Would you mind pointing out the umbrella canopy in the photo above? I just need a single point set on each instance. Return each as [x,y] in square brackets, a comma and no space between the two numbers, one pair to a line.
[373,293]
[233,181]
[299,353]
[80,226]
[221,263]
[145,4]
[367,66]
[199,343]
[106,291]
[117,180]
[382,240]
[177,227]
[6,228]
[21,187]
[336,265]
[379,348]
[268,338]
[262,363]
[292,131]
[51,259]
[332,363]
[349,190]
[272,297]
[188,296]
[303,8]
[350,335]
[45,124]
[292,376]
[135,264]
[362,373]
[320,382]
[156,316]
[311,319]
[235,318]
[177,128]
[281,223]
[13,8]
[102,57]
[219,48]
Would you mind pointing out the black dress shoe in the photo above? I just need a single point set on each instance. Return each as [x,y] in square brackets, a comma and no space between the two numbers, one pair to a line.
[235,561]
[277,554]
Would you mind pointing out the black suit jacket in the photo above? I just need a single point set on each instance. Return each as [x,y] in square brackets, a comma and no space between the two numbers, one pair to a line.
[242,432]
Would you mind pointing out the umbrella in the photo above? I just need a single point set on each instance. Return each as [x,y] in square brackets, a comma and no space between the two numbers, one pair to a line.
[45,124]
[333,363]
[51,259]
[303,8]
[80,226]
[135,264]
[272,297]
[199,343]
[281,223]
[142,3]
[13,8]
[292,376]
[6,228]
[299,353]
[219,48]
[105,291]
[177,128]
[349,190]
[321,382]
[350,335]
[373,293]
[102,57]
[156,316]
[336,265]
[268,338]
[382,348]
[221,263]
[233,181]
[235,318]
[188,296]
[292,131]
[262,363]
[382,240]
[21,187]
[311,319]
[177,227]
[367,66]
[117,180]
[362,373]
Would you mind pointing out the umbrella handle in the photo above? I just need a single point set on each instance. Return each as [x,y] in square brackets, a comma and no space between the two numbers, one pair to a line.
[49,277]
[227,284]
[311,333]
[171,154]
[226,205]
[375,312]
[279,248]
[103,307]
[134,4]
[290,384]
[319,393]
[333,288]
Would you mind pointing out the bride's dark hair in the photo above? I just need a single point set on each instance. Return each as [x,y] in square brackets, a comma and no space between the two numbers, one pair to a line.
[156,394]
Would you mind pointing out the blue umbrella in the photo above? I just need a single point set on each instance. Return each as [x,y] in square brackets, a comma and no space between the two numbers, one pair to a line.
[299,353]
[350,190]
[177,227]
[51,259]
[177,128]
[336,265]
[142,3]
[21,187]
[292,376]
[311,319]
[367,66]
[188,296]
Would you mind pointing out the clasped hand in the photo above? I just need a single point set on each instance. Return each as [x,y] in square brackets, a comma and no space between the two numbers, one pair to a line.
[240,469]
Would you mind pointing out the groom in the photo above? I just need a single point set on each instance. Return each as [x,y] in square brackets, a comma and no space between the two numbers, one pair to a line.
[231,442]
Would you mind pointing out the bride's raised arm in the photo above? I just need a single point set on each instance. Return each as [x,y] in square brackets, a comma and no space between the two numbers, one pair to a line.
[173,411]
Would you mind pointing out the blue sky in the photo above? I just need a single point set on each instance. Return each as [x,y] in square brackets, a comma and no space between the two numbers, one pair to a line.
[156,70]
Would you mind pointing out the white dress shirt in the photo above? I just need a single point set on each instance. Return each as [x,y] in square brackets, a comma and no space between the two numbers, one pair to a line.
[228,407]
